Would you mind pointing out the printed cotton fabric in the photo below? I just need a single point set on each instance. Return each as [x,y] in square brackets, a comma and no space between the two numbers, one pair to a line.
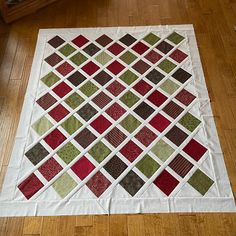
[116,120]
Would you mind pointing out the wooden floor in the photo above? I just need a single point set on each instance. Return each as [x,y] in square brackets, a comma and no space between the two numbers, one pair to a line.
[214,22]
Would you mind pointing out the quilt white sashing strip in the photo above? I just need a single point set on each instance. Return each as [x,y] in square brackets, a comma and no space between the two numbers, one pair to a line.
[116,120]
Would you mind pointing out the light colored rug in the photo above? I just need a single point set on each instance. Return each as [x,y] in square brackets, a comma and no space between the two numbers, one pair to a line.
[116,120]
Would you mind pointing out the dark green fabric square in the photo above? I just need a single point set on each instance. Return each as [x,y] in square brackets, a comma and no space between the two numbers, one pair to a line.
[78,58]
[151,38]
[67,50]
[128,77]
[71,125]
[50,79]
[129,99]
[128,57]
[189,121]
[74,100]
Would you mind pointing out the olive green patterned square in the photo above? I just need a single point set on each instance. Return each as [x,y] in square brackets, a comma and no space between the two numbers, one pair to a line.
[64,185]
[128,77]
[74,100]
[50,79]
[99,151]
[130,123]
[147,165]
[175,38]
[88,89]
[162,150]
[71,125]
[67,50]
[167,66]
[169,86]
[151,38]
[189,121]
[128,57]
[78,58]
[200,182]
[103,58]
[42,125]
[68,152]
[129,99]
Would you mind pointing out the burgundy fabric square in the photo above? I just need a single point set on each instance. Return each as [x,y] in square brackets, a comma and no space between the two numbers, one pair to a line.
[90,68]
[80,41]
[30,186]
[173,110]
[46,101]
[115,88]
[62,89]
[101,124]
[176,135]
[159,122]
[115,111]
[140,48]
[153,57]
[157,98]
[98,184]
[50,168]
[102,77]
[115,48]
[56,41]
[85,138]
[185,97]
[195,150]
[164,47]
[178,55]
[65,68]
[115,137]
[55,138]
[141,67]
[145,136]
[58,113]
[142,87]
[83,167]
[53,59]
[104,40]
[180,165]
[131,151]
[166,182]
[101,100]
[115,67]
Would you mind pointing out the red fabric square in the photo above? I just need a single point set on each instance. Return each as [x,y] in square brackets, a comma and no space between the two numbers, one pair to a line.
[115,67]
[50,168]
[115,88]
[83,167]
[157,98]
[80,41]
[178,55]
[131,151]
[166,182]
[30,186]
[142,87]
[98,184]
[145,136]
[140,48]
[58,113]
[185,97]
[101,124]
[194,149]
[153,57]
[62,89]
[159,122]
[55,138]
[115,49]
[115,111]
[90,68]
[65,68]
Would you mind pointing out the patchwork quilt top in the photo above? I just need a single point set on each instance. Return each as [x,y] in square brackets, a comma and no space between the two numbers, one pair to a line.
[116,120]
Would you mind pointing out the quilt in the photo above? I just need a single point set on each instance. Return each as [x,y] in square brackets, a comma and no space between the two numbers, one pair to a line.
[116,120]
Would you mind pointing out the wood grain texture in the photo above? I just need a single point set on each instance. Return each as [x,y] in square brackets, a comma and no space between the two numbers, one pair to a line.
[214,22]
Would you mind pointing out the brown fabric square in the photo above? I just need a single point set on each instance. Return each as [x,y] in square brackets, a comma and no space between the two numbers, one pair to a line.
[102,78]
[115,166]
[144,110]
[181,75]
[87,112]
[176,135]
[101,100]
[172,109]
[53,59]
[77,78]
[56,41]
[91,49]
[141,66]
[46,101]
[127,39]
[155,76]
[85,138]
[115,137]
[164,47]
[104,40]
